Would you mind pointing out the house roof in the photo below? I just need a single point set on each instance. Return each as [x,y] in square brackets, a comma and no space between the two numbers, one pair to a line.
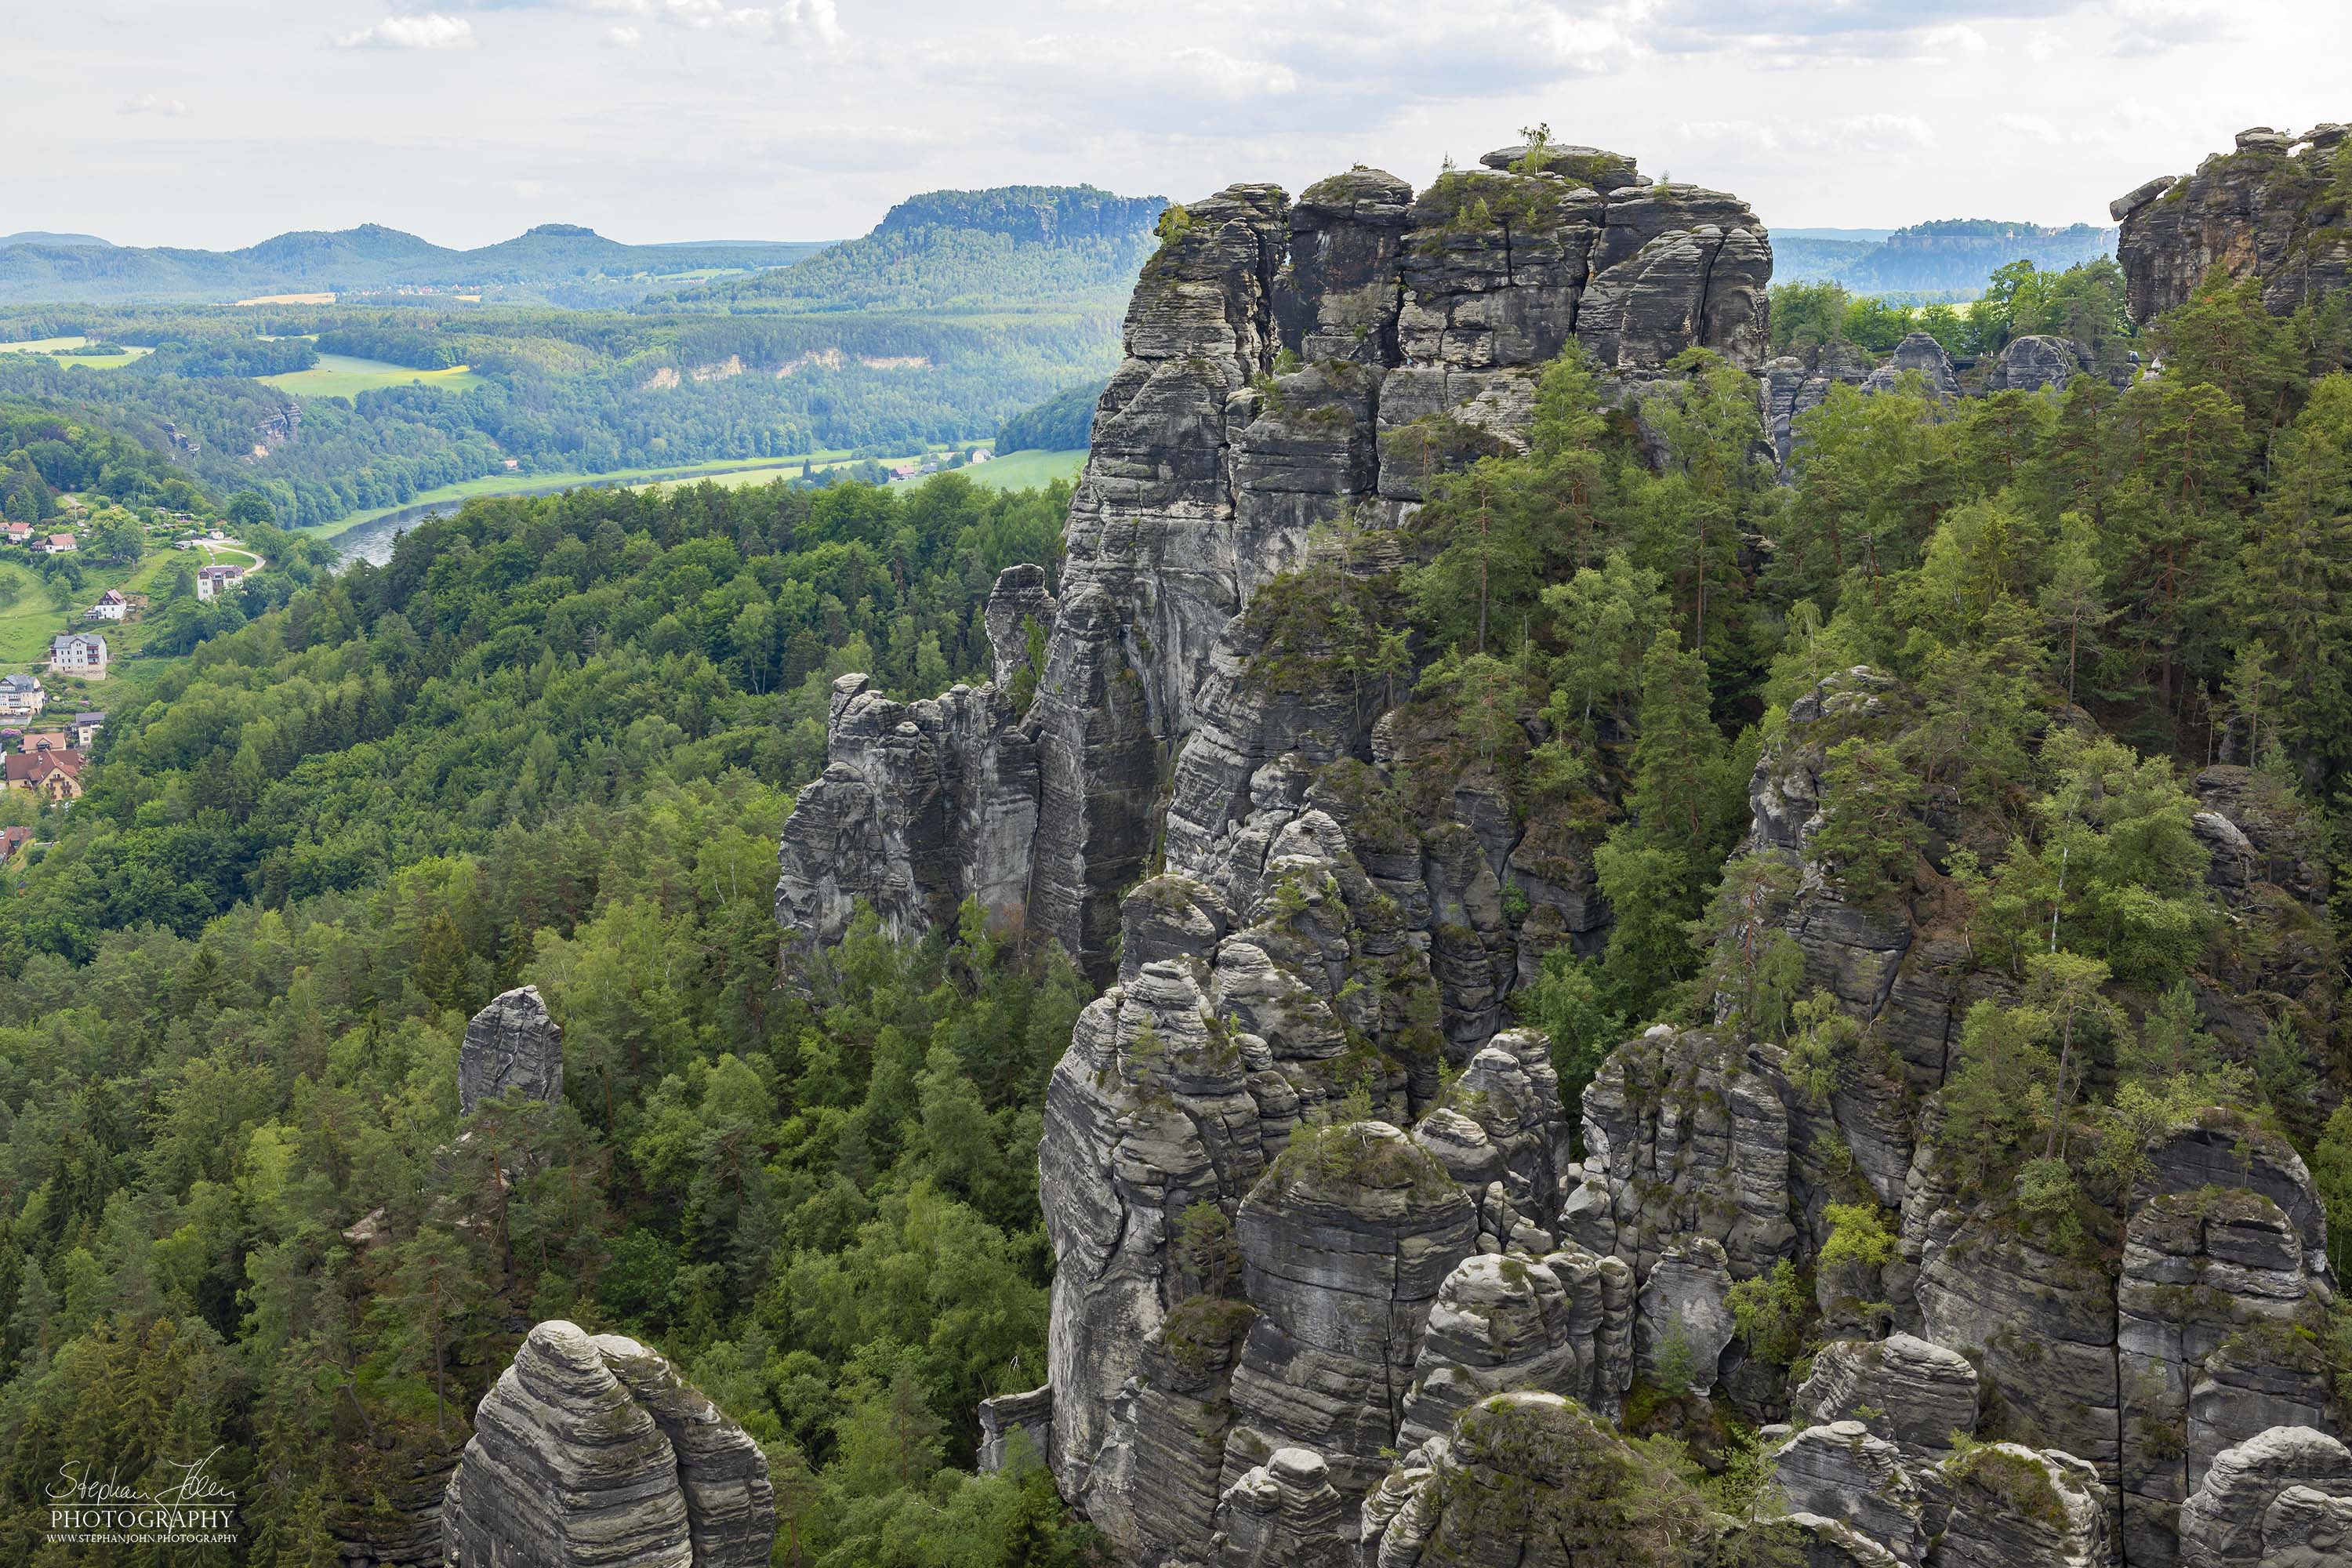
[32,767]
[90,638]
[19,683]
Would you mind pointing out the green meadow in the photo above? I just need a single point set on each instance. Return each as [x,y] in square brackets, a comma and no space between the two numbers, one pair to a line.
[341,375]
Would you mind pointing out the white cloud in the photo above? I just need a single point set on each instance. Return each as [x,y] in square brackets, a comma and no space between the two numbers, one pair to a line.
[431,30]
[623,37]
[1849,135]
[154,103]
[2153,26]
[2031,125]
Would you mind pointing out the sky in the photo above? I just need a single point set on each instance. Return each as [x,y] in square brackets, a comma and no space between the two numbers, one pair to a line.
[220,122]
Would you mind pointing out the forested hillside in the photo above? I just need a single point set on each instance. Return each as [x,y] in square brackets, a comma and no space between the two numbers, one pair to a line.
[550,741]
[1949,258]
[561,391]
[966,250]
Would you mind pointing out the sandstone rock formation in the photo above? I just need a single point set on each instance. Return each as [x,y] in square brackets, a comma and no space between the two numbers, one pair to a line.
[588,1450]
[2269,1502]
[2259,211]
[2032,362]
[1418,323]
[511,1048]
[1920,354]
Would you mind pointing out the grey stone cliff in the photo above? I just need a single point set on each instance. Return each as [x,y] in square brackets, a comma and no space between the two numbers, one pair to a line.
[511,1048]
[1417,322]
[2257,211]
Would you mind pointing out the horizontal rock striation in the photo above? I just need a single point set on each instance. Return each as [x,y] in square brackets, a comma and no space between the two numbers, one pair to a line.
[590,1450]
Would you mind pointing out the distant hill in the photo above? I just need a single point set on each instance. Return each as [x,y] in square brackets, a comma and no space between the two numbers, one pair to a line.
[38,237]
[973,250]
[1952,255]
[558,263]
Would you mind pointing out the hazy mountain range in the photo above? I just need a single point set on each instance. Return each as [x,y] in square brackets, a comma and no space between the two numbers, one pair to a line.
[1950,256]
[552,258]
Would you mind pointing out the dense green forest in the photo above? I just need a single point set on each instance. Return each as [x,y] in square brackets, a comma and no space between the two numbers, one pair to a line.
[1063,422]
[2071,602]
[551,740]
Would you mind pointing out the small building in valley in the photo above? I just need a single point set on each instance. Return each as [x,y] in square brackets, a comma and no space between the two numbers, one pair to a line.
[21,696]
[211,580]
[111,606]
[77,653]
[13,839]
[53,773]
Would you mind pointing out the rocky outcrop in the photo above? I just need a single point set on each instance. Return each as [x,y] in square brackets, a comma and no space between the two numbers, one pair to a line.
[591,1450]
[1913,1393]
[1344,1247]
[1793,387]
[511,1048]
[2011,1506]
[1522,1480]
[1026,1417]
[2034,362]
[921,805]
[1560,1324]
[1846,1472]
[2268,1500]
[2264,210]
[1918,355]
[1284,1513]
[1417,325]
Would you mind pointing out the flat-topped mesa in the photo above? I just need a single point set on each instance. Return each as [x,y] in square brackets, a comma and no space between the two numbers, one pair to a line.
[2272,209]
[1286,362]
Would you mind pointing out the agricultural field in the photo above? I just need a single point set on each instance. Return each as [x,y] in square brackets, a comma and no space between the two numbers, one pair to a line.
[56,349]
[1024,470]
[341,375]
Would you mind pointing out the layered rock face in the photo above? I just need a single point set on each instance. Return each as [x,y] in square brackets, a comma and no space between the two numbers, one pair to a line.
[1288,363]
[2272,209]
[511,1048]
[591,1450]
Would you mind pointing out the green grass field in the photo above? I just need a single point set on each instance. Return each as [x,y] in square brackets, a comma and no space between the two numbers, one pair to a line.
[340,375]
[55,347]
[1022,470]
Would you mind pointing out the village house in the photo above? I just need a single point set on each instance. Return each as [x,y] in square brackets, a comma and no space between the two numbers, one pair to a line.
[21,696]
[53,773]
[12,839]
[85,726]
[16,533]
[58,544]
[77,653]
[111,606]
[211,580]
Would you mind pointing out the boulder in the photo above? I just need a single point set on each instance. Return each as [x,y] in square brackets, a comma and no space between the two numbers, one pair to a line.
[2014,1507]
[1843,1471]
